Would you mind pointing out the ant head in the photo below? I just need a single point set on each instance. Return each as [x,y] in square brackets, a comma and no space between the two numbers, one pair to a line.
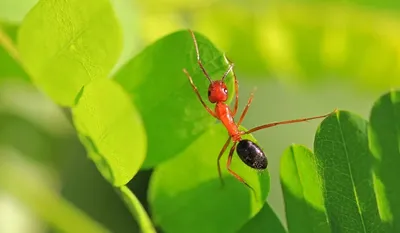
[217,91]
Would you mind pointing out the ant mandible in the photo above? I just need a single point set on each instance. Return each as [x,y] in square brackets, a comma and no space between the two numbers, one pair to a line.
[249,152]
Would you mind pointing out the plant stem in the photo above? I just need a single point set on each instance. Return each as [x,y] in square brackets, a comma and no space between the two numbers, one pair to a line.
[8,45]
[137,210]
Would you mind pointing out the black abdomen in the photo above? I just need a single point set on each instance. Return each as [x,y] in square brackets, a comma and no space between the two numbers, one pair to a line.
[251,154]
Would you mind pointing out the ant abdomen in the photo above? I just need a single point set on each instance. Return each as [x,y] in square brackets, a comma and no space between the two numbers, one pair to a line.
[251,154]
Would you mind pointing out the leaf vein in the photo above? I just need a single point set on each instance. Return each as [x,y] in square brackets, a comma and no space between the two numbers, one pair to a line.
[351,175]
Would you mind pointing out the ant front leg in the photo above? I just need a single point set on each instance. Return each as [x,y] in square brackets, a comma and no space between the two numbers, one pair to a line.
[198,94]
[228,166]
[287,122]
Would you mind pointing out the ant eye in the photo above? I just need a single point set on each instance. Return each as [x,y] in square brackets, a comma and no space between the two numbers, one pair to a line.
[226,91]
[209,93]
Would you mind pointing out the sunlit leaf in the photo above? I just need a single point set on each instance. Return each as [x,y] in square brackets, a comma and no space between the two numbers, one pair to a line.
[384,138]
[344,164]
[172,114]
[302,191]
[186,193]
[65,44]
[111,129]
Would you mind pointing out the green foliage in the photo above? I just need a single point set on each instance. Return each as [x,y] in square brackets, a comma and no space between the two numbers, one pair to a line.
[341,148]
[304,203]
[147,116]
[73,48]
[189,183]
[176,109]
[350,180]
[111,129]
[384,143]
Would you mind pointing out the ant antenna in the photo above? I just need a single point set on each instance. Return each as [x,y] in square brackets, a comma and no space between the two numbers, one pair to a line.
[198,56]
[230,68]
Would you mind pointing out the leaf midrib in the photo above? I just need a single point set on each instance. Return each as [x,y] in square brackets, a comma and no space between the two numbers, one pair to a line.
[351,174]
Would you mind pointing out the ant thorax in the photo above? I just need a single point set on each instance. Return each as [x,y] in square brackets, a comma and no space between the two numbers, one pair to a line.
[223,113]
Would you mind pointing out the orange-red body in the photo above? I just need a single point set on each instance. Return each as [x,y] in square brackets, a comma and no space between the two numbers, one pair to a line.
[218,94]
[224,115]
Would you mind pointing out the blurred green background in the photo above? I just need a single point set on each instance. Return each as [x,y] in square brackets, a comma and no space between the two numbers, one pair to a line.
[305,58]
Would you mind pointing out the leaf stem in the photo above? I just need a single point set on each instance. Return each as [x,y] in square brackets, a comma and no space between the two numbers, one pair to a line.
[137,210]
[8,45]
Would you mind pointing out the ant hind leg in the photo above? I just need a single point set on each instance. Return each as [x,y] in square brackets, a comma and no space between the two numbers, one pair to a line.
[228,166]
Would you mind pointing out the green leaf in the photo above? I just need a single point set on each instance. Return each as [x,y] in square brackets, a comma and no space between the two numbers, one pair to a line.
[172,114]
[302,191]
[111,129]
[185,192]
[384,140]
[65,44]
[265,221]
[137,210]
[344,163]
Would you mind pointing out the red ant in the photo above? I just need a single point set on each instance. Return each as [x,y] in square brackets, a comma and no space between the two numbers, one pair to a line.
[249,152]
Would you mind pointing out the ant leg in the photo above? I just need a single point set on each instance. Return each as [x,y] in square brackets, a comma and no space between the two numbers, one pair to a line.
[219,158]
[228,166]
[246,108]
[287,122]
[198,56]
[231,65]
[198,94]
